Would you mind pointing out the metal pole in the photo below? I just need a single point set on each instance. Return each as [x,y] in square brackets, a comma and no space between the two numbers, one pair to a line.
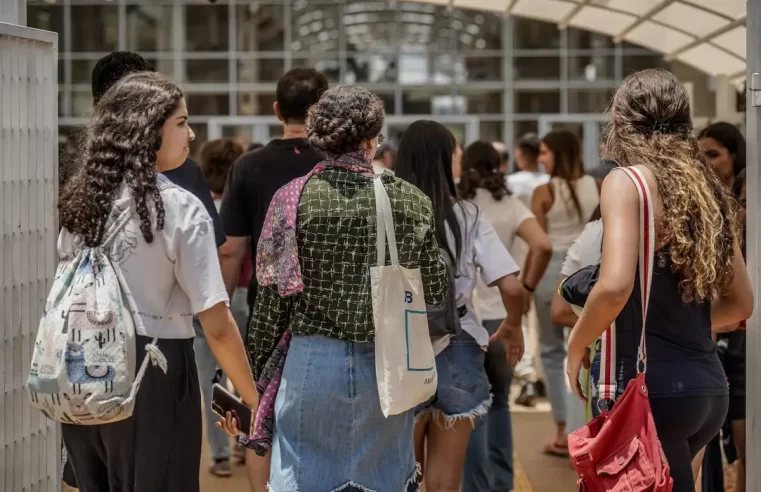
[753,356]
[13,12]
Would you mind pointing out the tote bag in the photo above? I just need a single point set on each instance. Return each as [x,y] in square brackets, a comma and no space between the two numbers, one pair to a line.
[619,450]
[404,362]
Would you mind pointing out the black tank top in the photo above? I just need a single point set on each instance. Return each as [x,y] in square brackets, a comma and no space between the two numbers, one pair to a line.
[681,356]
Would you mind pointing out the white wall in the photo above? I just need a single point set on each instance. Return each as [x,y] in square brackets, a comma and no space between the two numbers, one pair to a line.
[30,452]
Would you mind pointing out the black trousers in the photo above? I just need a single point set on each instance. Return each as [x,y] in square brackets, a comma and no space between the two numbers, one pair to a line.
[685,425]
[158,449]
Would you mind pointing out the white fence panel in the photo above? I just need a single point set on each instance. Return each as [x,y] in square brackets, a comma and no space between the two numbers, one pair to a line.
[30,453]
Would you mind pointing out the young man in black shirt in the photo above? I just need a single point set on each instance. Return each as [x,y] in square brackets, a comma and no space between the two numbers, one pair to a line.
[112,68]
[253,181]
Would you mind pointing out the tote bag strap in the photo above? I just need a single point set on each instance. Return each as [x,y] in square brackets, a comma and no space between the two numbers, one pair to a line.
[384,221]
[607,385]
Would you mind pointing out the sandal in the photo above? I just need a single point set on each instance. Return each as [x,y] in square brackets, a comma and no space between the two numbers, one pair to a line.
[555,448]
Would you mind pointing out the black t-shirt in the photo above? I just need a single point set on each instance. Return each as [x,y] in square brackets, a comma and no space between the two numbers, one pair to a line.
[253,181]
[190,177]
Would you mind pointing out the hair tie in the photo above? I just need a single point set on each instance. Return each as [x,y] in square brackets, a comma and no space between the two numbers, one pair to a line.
[661,127]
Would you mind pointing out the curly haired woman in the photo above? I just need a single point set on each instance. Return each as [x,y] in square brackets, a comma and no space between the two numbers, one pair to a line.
[167,254]
[699,277]
[313,268]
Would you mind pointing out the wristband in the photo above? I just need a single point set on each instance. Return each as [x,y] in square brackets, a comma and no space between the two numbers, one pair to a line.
[528,289]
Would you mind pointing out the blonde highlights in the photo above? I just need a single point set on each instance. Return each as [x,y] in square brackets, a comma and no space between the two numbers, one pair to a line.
[650,124]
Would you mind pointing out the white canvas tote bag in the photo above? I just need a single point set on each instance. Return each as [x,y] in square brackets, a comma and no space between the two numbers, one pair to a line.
[405,365]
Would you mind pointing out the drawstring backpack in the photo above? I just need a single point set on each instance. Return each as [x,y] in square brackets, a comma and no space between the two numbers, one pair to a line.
[83,363]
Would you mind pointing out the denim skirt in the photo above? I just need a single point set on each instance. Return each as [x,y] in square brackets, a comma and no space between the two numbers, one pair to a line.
[330,434]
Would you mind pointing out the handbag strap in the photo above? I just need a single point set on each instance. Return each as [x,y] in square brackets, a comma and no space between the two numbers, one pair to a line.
[384,222]
[607,385]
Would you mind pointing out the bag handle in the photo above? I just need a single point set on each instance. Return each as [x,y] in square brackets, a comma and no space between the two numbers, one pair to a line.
[607,385]
[384,223]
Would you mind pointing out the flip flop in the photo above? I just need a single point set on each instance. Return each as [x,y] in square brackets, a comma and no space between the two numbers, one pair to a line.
[553,448]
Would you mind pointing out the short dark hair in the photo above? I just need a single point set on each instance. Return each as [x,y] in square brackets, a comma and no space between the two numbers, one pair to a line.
[529,145]
[217,157]
[297,90]
[113,67]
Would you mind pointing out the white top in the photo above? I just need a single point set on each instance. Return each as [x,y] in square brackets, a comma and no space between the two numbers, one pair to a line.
[506,216]
[523,183]
[585,251]
[482,251]
[184,252]
[563,222]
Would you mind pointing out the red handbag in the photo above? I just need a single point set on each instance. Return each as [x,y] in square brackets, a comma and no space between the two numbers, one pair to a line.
[619,451]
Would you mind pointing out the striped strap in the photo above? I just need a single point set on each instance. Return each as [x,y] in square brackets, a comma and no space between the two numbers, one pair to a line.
[607,385]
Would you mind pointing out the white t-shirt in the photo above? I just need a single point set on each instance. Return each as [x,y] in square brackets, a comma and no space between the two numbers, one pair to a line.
[523,183]
[506,216]
[183,253]
[585,251]
[482,251]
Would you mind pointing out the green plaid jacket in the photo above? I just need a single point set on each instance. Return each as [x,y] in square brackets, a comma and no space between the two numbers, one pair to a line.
[336,237]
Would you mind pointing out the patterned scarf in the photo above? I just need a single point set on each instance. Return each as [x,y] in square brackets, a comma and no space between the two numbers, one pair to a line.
[277,263]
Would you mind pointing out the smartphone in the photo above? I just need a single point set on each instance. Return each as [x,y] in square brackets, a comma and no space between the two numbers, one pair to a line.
[222,401]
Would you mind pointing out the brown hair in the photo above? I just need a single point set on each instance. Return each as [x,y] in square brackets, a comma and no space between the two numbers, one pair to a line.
[344,117]
[650,124]
[480,169]
[217,157]
[569,165]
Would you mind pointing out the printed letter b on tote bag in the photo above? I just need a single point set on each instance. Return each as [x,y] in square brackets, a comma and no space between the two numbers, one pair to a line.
[404,362]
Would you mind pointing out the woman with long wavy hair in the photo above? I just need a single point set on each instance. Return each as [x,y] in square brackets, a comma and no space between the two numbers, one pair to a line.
[563,206]
[699,278]
[168,260]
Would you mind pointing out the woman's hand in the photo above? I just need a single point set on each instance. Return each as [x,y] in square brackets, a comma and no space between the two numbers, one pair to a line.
[230,425]
[577,356]
[512,334]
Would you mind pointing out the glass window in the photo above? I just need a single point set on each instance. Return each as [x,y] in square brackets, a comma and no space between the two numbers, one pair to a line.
[371,67]
[149,28]
[207,71]
[421,67]
[81,103]
[536,67]
[94,28]
[329,66]
[315,27]
[537,101]
[424,27]
[372,26]
[477,69]
[201,131]
[81,71]
[491,131]
[580,39]
[634,63]
[589,100]
[260,27]
[388,101]
[61,71]
[523,128]
[206,28]
[477,30]
[483,101]
[252,103]
[260,70]
[592,67]
[432,101]
[535,35]
[208,104]
[48,18]
[60,103]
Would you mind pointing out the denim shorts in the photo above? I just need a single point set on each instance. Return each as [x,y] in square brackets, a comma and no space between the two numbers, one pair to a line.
[463,387]
[330,434]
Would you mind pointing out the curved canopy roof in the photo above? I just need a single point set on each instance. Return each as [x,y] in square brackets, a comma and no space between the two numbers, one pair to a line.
[706,34]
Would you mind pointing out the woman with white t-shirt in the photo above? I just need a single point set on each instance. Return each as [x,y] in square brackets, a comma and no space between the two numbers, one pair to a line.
[443,429]
[563,206]
[489,462]
[168,258]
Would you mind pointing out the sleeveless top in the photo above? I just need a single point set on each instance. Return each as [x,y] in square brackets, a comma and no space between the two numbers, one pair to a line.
[681,357]
[563,222]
